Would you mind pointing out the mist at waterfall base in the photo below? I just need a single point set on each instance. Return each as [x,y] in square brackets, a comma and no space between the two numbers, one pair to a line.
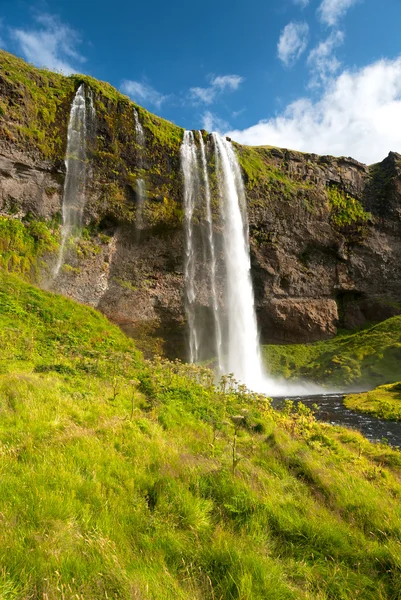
[218,268]
[75,179]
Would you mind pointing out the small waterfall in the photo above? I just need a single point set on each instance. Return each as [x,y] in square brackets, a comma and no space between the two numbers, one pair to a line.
[189,167]
[140,184]
[140,135]
[236,340]
[243,352]
[75,179]
[91,105]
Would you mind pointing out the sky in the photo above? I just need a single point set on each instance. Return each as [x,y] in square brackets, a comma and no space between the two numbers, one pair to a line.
[319,76]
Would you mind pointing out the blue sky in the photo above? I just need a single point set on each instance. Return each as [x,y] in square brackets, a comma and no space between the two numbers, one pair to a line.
[313,75]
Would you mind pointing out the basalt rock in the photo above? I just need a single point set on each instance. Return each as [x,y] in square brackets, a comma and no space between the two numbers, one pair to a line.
[325,232]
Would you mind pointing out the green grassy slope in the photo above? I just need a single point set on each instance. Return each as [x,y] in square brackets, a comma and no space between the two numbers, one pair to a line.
[383,402]
[364,358]
[123,479]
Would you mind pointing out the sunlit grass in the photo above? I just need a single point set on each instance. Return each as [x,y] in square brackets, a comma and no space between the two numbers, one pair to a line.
[120,478]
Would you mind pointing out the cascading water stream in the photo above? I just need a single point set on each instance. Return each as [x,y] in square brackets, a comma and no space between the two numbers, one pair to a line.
[237,343]
[75,179]
[189,168]
[236,340]
[213,264]
[140,184]
[243,352]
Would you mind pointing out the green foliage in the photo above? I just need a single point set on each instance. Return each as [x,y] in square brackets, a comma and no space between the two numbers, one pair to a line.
[368,357]
[34,114]
[383,402]
[346,210]
[120,478]
[23,244]
[35,106]
[256,162]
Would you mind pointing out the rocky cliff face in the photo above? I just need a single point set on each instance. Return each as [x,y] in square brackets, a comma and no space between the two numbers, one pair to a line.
[325,232]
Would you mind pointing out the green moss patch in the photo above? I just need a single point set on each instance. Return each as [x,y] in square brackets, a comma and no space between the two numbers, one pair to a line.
[22,246]
[345,209]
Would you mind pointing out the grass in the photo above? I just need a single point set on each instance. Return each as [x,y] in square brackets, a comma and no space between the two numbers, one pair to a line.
[124,478]
[383,402]
[256,162]
[365,358]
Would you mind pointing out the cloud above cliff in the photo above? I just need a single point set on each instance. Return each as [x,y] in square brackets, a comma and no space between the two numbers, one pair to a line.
[322,60]
[292,43]
[218,85]
[50,43]
[358,114]
[143,92]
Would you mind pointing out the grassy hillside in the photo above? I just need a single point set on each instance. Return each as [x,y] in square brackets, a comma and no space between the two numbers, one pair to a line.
[383,402]
[123,479]
[364,358]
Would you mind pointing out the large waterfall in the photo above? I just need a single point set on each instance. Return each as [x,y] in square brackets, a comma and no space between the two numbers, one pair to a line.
[189,167]
[140,183]
[243,353]
[236,342]
[75,179]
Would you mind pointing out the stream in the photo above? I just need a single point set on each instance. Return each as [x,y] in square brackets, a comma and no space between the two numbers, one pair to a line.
[332,410]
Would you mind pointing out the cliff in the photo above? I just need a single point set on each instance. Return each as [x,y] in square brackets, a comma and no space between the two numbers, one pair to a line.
[325,232]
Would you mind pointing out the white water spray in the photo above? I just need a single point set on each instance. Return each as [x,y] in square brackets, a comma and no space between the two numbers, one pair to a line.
[75,179]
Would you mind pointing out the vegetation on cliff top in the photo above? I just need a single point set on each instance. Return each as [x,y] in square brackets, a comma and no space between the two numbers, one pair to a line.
[128,479]
[364,358]
[34,111]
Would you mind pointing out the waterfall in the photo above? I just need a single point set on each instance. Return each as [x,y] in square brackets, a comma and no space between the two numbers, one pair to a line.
[236,339]
[140,183]
[243,353]
[75,179]
[189,167]
[213,264]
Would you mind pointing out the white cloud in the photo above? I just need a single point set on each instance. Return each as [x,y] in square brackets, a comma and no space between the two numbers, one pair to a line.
[301,3]
[51,44]
[201,95]
[237,113]
[357,115]
[211,122]
[218,85]
[331,11]
[142,92]
[292,43]
[322,61]
[227,82]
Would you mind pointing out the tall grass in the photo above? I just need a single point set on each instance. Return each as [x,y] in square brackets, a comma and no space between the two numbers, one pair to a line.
[119,479]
